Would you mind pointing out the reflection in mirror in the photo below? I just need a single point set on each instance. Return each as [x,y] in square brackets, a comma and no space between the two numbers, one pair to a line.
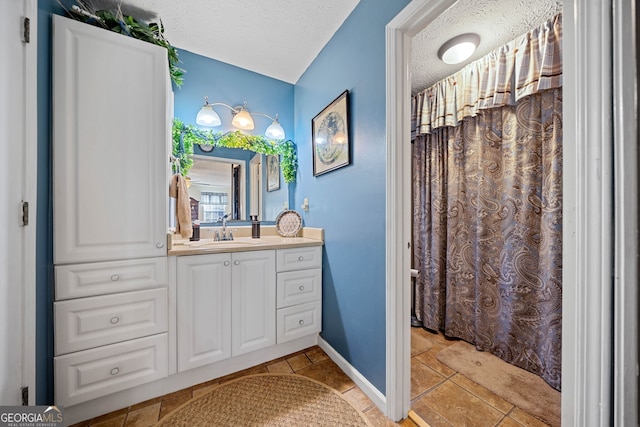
[216,188]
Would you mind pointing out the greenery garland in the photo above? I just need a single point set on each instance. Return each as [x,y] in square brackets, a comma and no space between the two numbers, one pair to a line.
[186,136]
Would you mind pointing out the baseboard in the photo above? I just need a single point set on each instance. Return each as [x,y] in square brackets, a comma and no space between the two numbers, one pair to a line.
[369,389]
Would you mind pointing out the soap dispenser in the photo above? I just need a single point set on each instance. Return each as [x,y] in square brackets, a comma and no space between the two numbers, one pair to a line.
[255,227]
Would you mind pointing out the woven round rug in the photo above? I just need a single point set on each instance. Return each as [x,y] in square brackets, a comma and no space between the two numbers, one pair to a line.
[267,400]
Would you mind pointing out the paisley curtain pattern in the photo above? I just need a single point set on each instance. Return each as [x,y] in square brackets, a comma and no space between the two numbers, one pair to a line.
[488,231]
[529,64]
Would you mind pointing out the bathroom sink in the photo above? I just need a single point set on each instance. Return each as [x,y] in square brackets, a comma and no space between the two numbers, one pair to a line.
[239,241]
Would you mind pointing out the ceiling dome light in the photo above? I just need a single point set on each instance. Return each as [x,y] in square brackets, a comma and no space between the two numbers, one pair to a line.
[459,48]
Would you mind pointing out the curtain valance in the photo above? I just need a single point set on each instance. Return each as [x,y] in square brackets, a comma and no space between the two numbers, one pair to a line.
[527,65]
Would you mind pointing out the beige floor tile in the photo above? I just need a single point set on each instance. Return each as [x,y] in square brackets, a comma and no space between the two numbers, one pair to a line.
[509,422]
[201,391]
[459,407]
[117,421]
[420,341]
[423,378]
[98,420]
[431,417]
[281,367]
[526,419]
[143,417]
[172,402]
[299,362]
[358,399]
[492,399]
[329,373]
[377,419]
[429,358]
[316,355]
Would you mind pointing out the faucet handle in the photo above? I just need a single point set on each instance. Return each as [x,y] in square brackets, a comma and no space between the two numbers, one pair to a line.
[216,238]
[230,235]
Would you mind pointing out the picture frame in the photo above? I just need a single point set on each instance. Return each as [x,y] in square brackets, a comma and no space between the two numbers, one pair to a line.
[273,172]
[330,136]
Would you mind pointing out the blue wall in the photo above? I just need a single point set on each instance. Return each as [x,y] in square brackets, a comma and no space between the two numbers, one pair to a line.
[231,85]
[349,203]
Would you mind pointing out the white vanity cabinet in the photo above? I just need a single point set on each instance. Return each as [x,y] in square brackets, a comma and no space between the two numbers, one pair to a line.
[299,292]
[225,306]
[203,310]
[108,342]
[111,140]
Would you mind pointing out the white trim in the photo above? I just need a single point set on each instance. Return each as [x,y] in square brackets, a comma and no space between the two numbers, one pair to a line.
[30,195]
[587,252]
[412,19]
[625,379]
[369,389]
[587,216]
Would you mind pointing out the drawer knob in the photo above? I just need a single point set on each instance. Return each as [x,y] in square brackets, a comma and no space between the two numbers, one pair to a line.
[159,245]
[301,258]
[115,371]
[236,262]
[226,263]
[115,277]
[114,320]
[301,322]
[301,288]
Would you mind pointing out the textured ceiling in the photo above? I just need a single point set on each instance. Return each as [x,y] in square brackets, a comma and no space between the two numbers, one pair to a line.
[280,38]
[277,38]
[496,21]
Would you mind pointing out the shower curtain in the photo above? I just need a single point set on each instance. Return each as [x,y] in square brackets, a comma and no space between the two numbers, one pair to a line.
[487,203]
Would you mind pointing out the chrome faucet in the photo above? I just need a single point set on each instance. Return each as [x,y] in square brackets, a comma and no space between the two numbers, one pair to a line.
[224,230]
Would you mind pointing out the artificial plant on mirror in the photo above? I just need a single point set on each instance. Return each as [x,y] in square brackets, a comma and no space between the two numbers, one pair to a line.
[186,136]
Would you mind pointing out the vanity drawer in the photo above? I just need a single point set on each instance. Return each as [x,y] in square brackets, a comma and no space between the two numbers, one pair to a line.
[85,323]
[298,321]
[101,278]
[297,287]
[299,258]
[90,374]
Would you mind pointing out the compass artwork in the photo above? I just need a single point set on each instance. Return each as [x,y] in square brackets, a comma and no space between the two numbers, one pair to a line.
[330,136]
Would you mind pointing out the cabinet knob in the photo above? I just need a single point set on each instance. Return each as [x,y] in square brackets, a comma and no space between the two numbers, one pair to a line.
[301,322]
[115,277]
[115,371]
[114,320]
[159,245]
[301,258]
[236,262]
[227,263]
[301,288]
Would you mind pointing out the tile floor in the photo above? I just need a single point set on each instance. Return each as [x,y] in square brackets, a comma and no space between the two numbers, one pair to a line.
[441,396]
[312,362]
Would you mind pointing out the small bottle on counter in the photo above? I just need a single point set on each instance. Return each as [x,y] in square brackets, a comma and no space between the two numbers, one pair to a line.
[255,227]
[195,235]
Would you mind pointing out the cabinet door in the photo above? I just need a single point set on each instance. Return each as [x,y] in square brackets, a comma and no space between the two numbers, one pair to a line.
[253,298]
[204,309]
[110,145]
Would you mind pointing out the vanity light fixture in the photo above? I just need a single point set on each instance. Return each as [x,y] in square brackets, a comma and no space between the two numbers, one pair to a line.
[459,48]
[242,119]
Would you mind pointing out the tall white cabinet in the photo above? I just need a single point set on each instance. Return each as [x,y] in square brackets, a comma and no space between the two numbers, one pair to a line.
[110,152]
[111,136]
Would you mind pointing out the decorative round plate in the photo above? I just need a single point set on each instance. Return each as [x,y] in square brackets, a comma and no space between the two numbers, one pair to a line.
[288,223]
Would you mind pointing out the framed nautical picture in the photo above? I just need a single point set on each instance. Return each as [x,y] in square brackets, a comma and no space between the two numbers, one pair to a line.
[273,173]
[330,136]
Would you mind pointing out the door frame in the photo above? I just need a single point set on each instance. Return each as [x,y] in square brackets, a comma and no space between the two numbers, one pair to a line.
[588,201]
